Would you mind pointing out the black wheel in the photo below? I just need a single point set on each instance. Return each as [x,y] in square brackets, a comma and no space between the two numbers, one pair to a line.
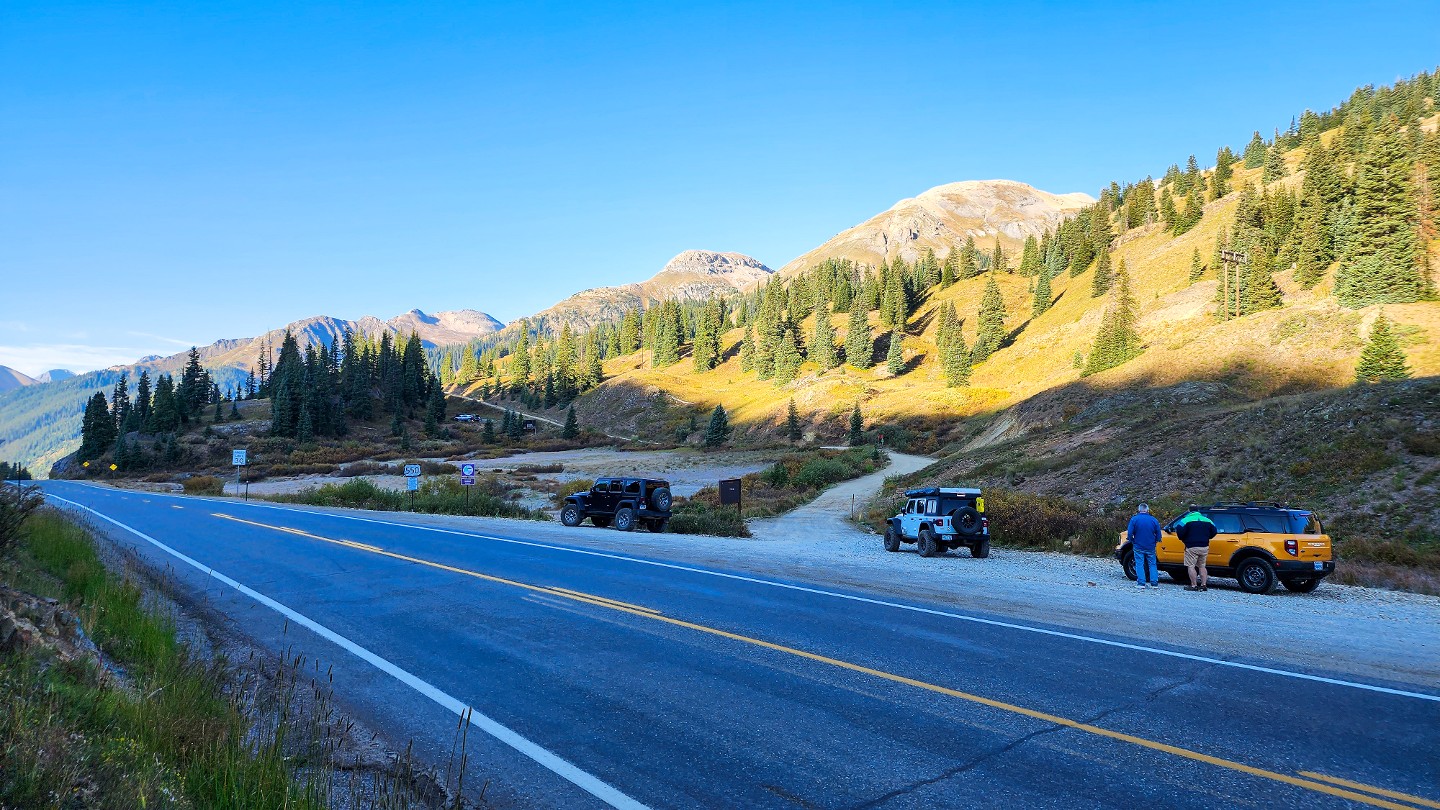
[926,542]
[571,515]
[1256,575]
[625,519]
[892,540]
[660,499]
[600,520]
[1127,562]
[1300,585]
[981,550]
[967,520]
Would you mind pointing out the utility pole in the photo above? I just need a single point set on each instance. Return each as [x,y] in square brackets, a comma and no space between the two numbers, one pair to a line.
[1237,260]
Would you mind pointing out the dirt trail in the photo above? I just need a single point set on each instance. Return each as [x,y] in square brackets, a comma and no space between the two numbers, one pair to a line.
[826,516]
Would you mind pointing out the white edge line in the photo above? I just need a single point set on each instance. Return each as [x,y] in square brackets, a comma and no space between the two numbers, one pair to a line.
[884,603]
[866,600]
[552,762]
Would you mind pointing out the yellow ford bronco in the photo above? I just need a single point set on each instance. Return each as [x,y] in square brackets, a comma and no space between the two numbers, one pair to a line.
[1259,544]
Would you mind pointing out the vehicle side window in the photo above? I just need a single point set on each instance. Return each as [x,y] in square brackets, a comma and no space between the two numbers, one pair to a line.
[1273,524]
[1304,523]
[931,506]
[1227,523]
[632,488]
[601,486]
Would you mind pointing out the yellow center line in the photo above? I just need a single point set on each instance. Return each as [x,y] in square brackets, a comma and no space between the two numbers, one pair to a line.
[1394,794]
[605,599]
[648,613]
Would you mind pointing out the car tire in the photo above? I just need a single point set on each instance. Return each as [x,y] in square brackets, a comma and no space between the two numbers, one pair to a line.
[967,521]
[600,520]
[1256,575]
[926,543]
[625,519]
[892,540]
[571,516]
[660,499]
[1300,584]
[981,550]
[1127,562]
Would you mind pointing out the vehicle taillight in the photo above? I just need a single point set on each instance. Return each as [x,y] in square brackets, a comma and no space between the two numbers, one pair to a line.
[1292,547]
[985,523]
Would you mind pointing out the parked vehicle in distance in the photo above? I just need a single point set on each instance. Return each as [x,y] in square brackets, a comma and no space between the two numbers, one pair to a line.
[464,417]
[937,519]
[622,501]
[1258,544]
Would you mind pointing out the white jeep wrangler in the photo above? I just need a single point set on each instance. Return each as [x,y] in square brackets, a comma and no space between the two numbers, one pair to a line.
[937,519]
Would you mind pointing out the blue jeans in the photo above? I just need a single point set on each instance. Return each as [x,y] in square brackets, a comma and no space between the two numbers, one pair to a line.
[1145,560]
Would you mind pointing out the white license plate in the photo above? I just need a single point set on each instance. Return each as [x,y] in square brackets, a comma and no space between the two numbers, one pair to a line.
[1319,566]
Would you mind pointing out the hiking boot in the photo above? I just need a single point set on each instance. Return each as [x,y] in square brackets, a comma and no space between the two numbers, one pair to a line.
[1193,588]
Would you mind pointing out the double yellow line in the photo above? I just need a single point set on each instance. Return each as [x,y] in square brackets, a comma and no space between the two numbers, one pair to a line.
[1320,783]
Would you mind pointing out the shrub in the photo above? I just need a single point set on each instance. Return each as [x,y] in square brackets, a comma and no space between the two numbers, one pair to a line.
[369,468]
[698,517]
[437,496]
[204,485]
[822,472]
[1423,443]
[1050,523]
[533,469]
[570,488]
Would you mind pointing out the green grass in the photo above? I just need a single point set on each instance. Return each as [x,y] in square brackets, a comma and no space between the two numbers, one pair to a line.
[70,737]
[437,496]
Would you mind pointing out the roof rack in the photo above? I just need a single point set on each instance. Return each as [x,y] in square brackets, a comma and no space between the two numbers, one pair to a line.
[1249,505]
[927,491]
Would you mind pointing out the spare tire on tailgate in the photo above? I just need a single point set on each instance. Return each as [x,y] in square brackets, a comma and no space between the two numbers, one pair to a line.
[660,499]
[967,520]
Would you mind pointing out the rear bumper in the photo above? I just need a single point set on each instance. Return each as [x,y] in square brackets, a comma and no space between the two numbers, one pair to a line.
[1293,568]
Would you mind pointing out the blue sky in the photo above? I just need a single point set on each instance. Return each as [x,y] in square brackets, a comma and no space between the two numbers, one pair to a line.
[178,173]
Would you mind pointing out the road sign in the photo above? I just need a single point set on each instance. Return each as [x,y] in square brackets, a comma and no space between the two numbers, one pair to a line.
[113,468]
[730,491]
[467,470]
[238,458]
[412,470]
[412,484]
[86,464]
[467,480]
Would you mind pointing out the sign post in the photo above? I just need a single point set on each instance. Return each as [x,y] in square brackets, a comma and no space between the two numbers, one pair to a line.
[730,493]
[467,480]
[412,482]
[240,458]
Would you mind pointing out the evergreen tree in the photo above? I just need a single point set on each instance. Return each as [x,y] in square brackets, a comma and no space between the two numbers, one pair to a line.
[1197,268]
[787,356]
[895,357]
[97,428]
[1312,249]
[520,358]
[667,336]
[955,359]
[166,408]
[120,408]
[219,413]
[857,427]
[950,270]
[630,332]
[1117,342]
[1224,170]
[1275,168]
[718,431]
[1383,261]
[1100,284]
[487,434]
[1255,152]
[1260,290]
[747,350]
[999,263]
[1382,358]
[1030,259]
[1191,216]
[991,321]
[1044,297]
[143,401]
[969,264]
[235,411]
[572,424]
[793,429]
[822,343]
[859,346]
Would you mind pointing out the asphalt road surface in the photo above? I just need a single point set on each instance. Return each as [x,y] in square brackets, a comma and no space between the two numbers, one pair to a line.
[595,679]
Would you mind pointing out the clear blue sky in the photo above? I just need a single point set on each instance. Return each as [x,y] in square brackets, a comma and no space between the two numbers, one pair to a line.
[179,173]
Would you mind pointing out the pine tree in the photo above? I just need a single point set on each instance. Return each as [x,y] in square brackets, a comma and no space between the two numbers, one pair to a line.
[1382,358]
[1260,290]
[991,320]
[822,343]
[859,346]
[487,434]
[235,411]
[969,264]
[747,350]
[1044,297]
[1100,284]
[1275,168]
[1030,259]
[1384,263]
[955,358]
[895,357]
[1197,268]
[1117,342]
[787,356]
[793,429]
[1312,249]
[857,427]
[1224,170]
[718,431]
[1191,216]
[999,263]
[705,353]
[572,424]
[1255,152]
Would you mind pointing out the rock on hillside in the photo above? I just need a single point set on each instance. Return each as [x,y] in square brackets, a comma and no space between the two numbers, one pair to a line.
[942,217]
[11,379]
[55,375]
[691,276]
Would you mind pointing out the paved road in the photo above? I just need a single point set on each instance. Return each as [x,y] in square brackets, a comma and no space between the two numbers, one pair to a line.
[598,679]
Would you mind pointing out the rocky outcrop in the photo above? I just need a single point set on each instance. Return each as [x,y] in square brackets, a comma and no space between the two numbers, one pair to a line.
[29,623]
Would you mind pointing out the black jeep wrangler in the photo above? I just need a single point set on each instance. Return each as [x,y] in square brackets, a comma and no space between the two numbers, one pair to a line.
[624,501]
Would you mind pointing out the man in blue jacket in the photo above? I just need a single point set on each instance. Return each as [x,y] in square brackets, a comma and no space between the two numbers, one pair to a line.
[1143,534]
